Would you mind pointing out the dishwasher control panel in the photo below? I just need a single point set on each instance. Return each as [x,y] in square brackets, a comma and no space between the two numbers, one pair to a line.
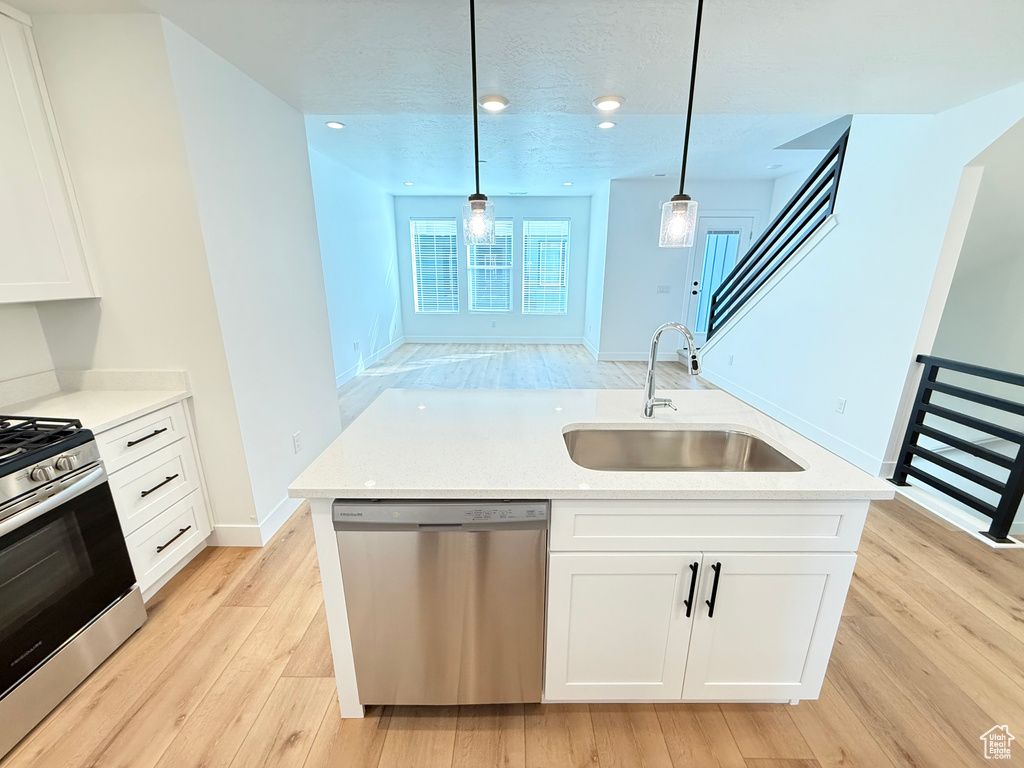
[437,512]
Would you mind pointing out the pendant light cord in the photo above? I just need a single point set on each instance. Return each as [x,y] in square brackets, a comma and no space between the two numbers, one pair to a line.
[476,126]
[693,82]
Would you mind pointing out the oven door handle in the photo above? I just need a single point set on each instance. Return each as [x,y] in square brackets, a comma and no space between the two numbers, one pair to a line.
[85,483]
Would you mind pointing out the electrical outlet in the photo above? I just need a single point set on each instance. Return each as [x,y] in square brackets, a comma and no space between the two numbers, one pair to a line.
[494,323]
[840,405]
[664,289]
[297,441]
[355,346]
[730,360]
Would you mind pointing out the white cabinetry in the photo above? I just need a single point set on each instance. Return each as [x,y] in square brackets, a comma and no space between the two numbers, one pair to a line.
[770,634]
[621,624]
[155,479]
[617,625]
[42,253]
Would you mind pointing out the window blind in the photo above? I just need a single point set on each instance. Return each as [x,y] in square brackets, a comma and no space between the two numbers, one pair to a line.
[545,266]
[490,271]
[435,265]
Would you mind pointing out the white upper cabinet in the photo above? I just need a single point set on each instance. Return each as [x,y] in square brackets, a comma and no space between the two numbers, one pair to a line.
[769,635]
[42,253]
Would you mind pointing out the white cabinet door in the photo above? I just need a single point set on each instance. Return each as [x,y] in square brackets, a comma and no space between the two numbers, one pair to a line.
[617,628]
[41,249]
[770,634]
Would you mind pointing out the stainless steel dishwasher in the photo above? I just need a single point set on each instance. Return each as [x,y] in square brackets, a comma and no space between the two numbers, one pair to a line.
[445,599]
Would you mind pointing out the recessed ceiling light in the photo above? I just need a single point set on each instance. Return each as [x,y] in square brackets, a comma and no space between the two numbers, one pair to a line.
[772,167]
[608,103]
[566,183]
[606,124]
[493,103]
[408,183]
[658,175]
[334,124]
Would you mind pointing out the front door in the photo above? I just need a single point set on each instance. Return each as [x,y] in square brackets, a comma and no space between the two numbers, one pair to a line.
[720,241]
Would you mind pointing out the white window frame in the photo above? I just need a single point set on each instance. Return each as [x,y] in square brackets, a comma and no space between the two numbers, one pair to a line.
[455,261]
[564,282]
[510,269]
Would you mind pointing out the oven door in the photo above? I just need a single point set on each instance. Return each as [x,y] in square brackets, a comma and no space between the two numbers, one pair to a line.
[63,561]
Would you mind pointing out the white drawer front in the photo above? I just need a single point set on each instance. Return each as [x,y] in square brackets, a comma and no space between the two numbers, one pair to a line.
[140,437]
[163,541]
[147,487]
[652,526]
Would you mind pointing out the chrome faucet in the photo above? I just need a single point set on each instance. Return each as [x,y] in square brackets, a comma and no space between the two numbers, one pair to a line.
[650,401]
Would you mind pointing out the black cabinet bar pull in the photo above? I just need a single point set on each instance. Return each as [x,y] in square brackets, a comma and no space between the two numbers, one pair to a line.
[154,433]
[178,535]
[159,485]
[688,602]
[717,568]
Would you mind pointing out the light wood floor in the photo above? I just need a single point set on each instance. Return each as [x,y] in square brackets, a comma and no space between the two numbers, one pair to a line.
[233,669]
[501,366]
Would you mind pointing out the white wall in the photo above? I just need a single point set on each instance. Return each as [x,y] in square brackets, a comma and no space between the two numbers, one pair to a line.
[356,219]
[844,321]
[23,349]
[110,83]
[250,170]
[635,265]
[513,326]
[595,268]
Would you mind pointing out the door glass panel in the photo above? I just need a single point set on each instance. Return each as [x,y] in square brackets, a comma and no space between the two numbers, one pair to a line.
[720,250]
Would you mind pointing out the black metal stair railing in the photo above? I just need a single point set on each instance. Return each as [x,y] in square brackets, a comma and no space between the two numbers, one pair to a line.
[926,420]
[804,213]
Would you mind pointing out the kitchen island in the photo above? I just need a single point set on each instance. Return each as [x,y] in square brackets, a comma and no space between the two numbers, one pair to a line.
[661,585]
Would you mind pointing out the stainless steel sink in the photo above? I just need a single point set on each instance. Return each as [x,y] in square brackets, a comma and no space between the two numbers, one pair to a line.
[674,450]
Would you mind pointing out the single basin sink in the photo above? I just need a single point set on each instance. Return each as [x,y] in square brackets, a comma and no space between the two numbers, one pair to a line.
[674,450]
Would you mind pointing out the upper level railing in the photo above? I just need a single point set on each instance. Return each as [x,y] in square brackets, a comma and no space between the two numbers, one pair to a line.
[803,214]
[963,440]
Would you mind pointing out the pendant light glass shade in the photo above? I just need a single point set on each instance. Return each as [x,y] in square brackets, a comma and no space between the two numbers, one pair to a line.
[478,220]
[678,222]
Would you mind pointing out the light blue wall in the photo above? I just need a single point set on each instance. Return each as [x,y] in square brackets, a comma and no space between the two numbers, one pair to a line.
[595,269]
[513,326]
[356,222]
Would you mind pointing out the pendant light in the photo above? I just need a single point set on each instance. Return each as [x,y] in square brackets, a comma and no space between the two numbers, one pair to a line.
[679,215]
[477,211]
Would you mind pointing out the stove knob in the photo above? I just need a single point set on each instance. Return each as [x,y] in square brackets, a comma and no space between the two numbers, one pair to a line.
[67,463]
[42,473]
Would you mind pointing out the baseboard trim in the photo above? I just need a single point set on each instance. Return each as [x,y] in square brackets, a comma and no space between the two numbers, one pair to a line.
[826,440]
[919,497]
[366,362]
[591,348]
[255,535]
[494,340]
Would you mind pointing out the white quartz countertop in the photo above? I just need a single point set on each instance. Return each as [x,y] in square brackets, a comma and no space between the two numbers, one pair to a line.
[98,410]
[421,443]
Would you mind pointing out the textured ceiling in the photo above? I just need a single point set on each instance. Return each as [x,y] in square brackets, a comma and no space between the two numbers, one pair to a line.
[397,73]
[555,56]
[537,153]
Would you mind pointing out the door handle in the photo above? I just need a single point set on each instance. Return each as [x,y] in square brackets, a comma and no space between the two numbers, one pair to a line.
[161,484]
[688,602]
[717,568]
[154,433]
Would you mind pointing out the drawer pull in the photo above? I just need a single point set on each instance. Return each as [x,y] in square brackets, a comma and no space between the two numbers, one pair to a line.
[178,535]
[161,484]
[717,568]
[154,433]
[688,602]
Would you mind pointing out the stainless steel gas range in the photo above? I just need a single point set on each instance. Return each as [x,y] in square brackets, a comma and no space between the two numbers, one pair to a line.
[68,596]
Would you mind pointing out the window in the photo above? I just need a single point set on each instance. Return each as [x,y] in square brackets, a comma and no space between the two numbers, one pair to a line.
[545,266]
[490,272]
[435,265]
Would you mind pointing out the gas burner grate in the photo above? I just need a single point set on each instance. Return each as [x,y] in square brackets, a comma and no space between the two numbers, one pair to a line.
[22,434]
